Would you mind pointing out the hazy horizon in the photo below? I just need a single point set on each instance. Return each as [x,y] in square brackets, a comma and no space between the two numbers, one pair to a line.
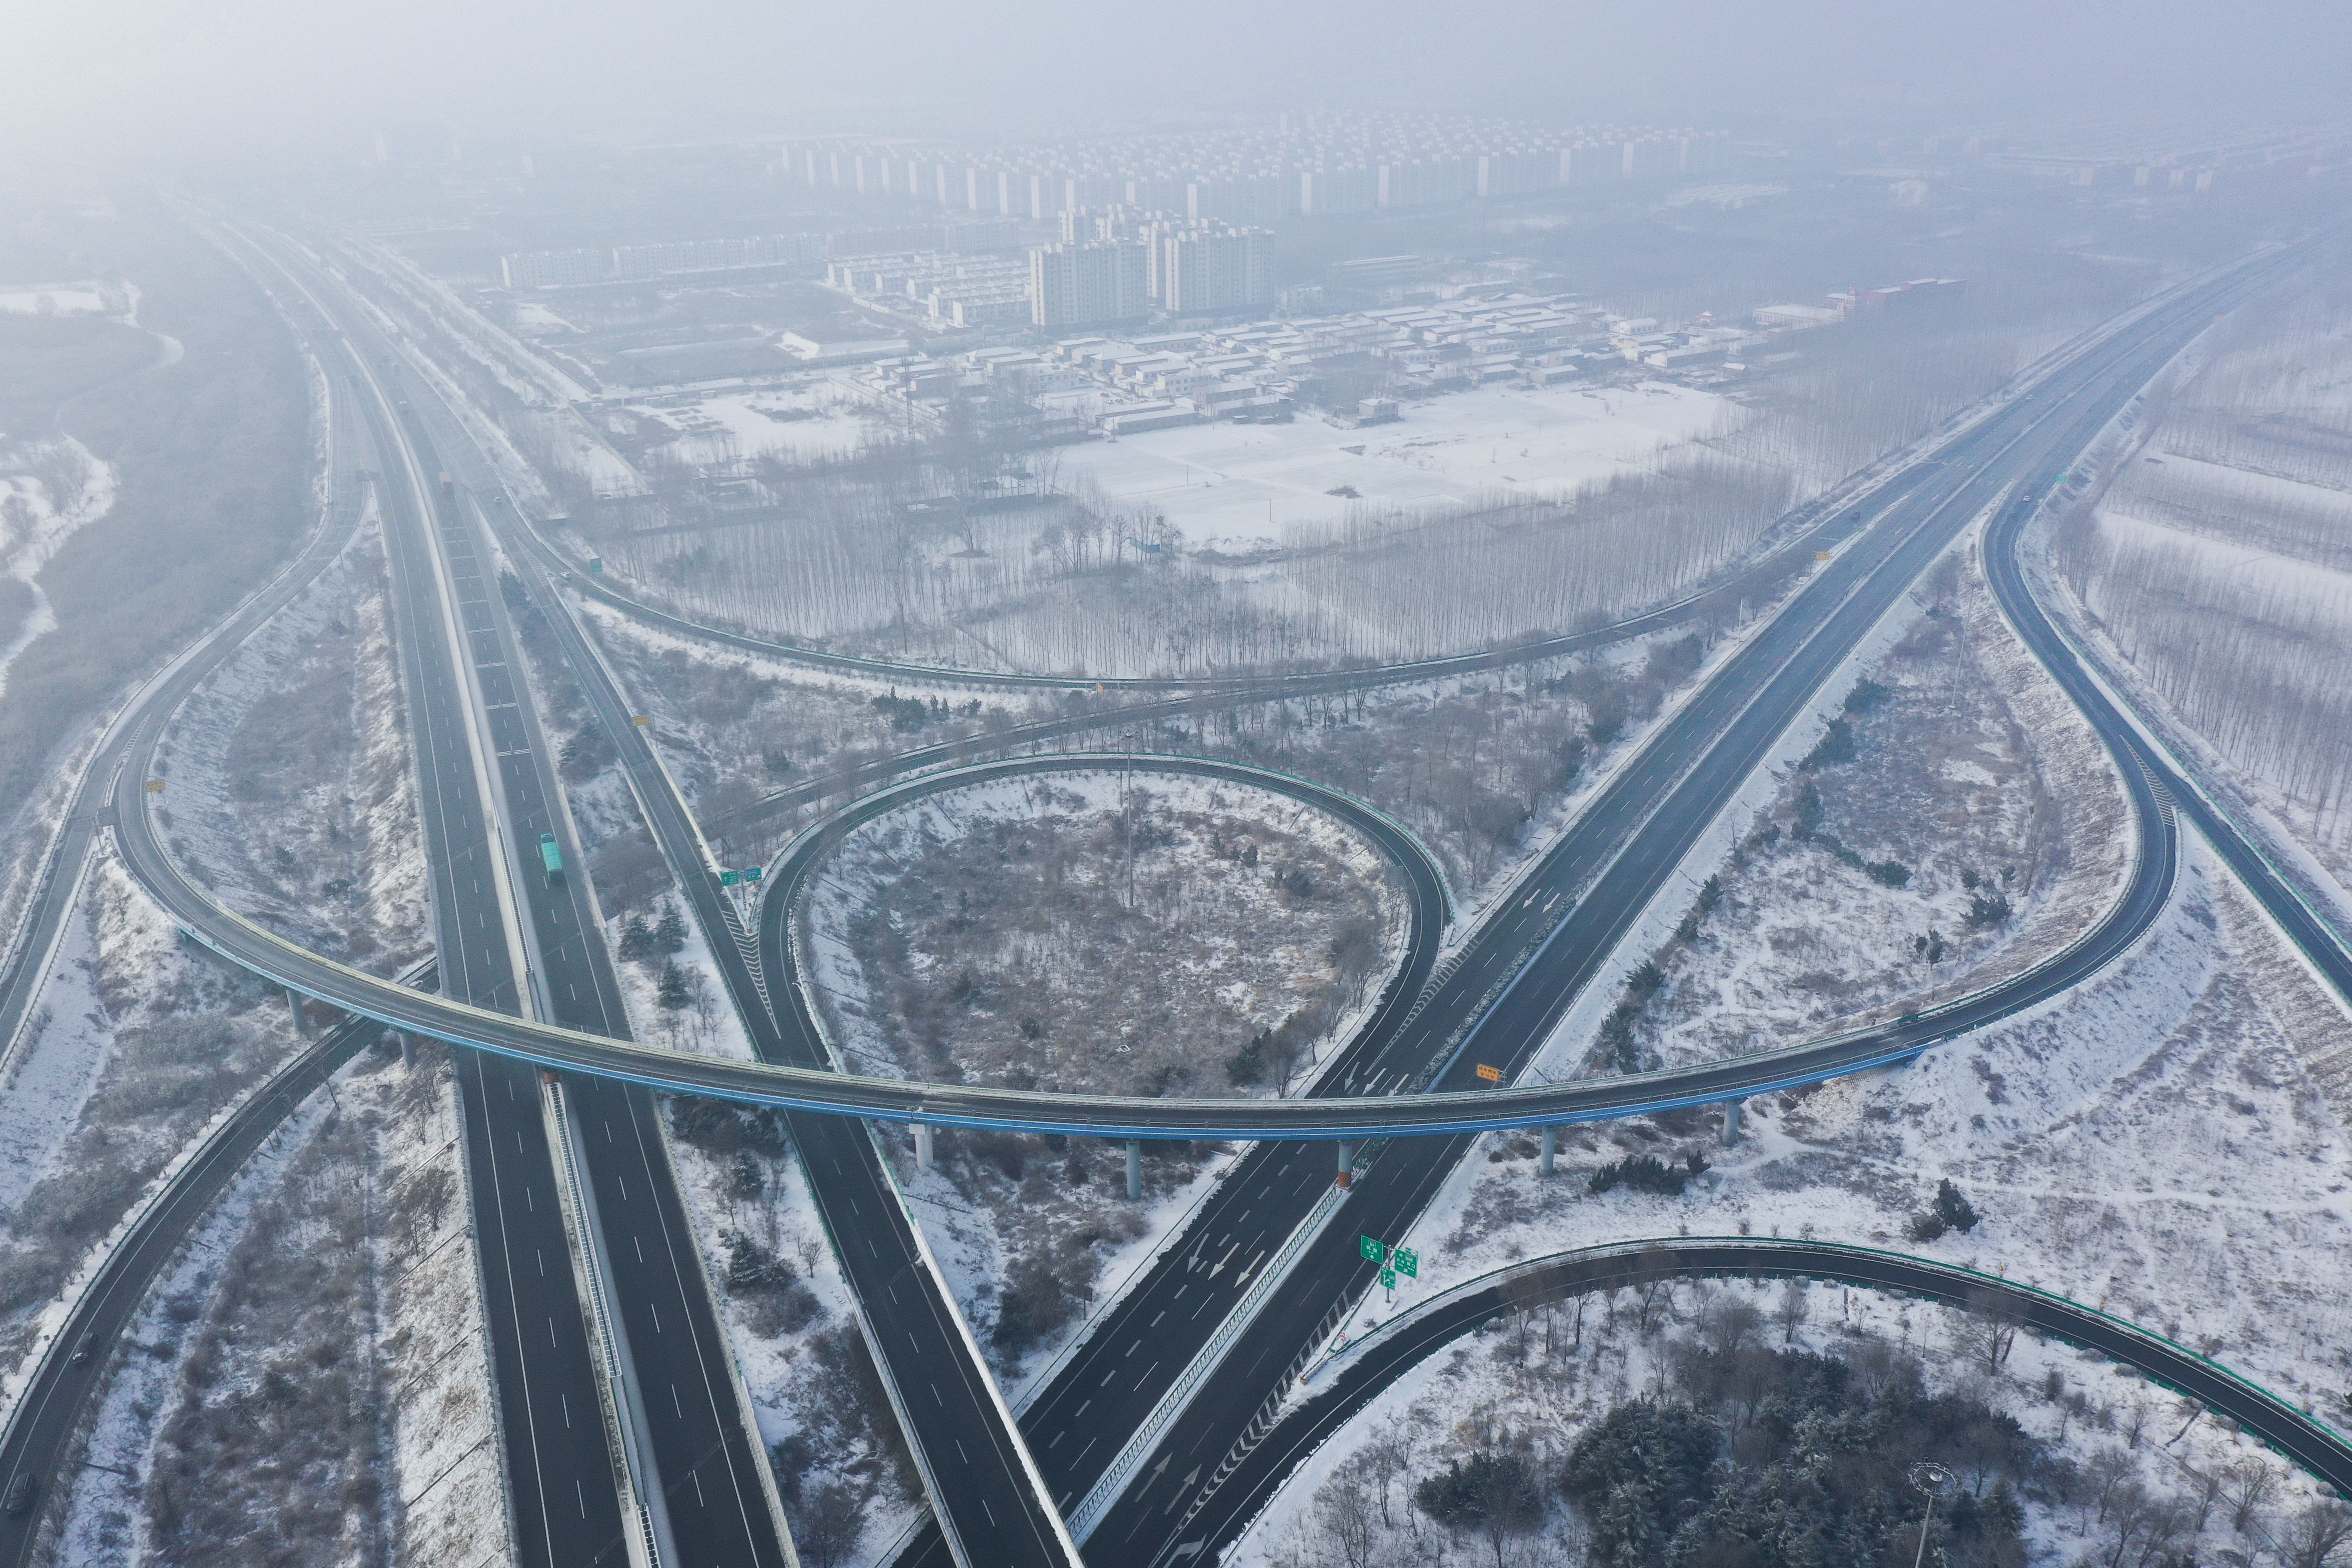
[151,84]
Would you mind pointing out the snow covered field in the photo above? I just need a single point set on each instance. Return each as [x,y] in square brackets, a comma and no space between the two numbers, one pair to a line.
[800,424]
[1540,1389]
[1239,486]
[2216,560]
[84,298]
[1239,898]
[48,490]
[1484,516]
[138,1045]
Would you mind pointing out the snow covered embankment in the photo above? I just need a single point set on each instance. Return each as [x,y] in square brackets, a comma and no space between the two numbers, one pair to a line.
[327,1314]
[287,782]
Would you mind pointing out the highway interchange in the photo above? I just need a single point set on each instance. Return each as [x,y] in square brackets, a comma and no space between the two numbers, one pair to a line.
[482,762]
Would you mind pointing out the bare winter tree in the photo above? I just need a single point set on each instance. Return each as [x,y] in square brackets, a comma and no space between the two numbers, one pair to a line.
[2317,1535]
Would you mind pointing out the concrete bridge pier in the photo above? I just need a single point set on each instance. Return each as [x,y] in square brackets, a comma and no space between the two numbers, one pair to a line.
[1135,1170]
[1346,1177]
[1551,1148]
[922,1145]
[1731,1122]
[295,1002]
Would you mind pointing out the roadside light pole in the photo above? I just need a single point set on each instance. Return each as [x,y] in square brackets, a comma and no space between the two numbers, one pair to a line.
[1931,1478]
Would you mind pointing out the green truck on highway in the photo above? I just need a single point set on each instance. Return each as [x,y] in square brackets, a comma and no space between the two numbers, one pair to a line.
[552,857]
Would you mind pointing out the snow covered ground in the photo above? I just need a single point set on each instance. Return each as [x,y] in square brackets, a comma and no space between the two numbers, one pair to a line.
[86,296]
[1241,487]
[793,1343]
[730,725]
[48,490]
[1493,1391]
[288,783]
[2168,1143]
[420,1475]
[1030,1231]
[800,424]
[139,1046]
[1968,770]
[2214,561]
[1238,951]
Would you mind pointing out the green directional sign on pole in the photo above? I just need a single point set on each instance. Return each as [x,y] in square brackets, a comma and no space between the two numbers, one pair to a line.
[1388,1279]
[751,873]
[1408,1262]
[1370,1249]
[726,878]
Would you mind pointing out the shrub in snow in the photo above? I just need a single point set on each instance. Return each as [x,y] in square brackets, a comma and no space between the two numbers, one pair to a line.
[1488,1488]
[1949,1212]
[1648,1173]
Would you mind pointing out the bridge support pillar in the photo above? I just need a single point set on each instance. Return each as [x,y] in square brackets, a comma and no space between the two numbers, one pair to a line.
[1551,1148]
[407,1049]
[922,1145]
[1135,1170]
[295,1002]
[1731,1122]
[1346,1177]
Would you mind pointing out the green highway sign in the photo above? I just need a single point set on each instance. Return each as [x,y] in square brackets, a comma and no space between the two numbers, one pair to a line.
[751,873]
[596,563]
[1388,1279]
[1408,1262]
[1370,1249]
[726,878]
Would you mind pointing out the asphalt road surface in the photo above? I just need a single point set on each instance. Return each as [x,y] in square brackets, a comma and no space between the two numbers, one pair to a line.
[977,1475]
[708,1474]
[1541,1113]
[563,1488]
[713,1478]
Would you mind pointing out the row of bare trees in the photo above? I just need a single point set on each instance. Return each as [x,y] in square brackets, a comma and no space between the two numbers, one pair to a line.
[2226,579]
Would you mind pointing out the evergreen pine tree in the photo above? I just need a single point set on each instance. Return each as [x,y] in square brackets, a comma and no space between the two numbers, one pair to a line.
[1953,1209]
[636,939]
[669,934]
[672,993]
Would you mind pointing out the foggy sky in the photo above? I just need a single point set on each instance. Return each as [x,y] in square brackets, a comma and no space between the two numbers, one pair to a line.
[169,78]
